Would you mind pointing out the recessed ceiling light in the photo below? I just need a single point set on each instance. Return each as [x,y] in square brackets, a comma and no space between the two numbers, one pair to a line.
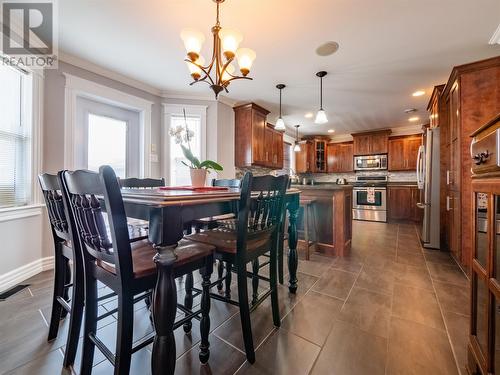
[413,119]
[327,49]
[331,131]
[411,110]
[309,115]
[418,93]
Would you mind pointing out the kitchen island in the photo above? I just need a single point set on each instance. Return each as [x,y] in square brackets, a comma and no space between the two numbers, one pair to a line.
[332,217]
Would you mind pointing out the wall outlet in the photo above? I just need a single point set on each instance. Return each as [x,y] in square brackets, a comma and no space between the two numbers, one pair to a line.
[153,158]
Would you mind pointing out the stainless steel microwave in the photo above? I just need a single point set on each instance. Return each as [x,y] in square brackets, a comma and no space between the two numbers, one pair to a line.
[370,162]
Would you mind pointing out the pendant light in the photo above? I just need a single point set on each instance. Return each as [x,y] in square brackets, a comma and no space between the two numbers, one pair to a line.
[296,148]
[321,115]
[280,124]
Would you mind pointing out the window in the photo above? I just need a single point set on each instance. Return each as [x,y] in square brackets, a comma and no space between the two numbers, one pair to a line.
[179,172]
[101,130]
[15,138]
[111,136]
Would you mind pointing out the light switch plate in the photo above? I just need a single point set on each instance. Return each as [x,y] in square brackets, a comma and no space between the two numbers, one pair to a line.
[154,158]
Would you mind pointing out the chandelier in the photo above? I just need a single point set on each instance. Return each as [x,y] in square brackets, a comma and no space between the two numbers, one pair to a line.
[220,71]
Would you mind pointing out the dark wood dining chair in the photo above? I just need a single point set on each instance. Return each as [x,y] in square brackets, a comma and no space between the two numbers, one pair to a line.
[250,235]
[124,266]
[213,221]
[64,251]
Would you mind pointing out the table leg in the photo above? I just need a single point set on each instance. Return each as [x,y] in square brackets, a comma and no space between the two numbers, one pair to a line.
[293,260]
[164,310]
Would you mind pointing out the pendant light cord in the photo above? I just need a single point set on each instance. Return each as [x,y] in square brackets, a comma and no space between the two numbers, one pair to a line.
[280,102]
[321,93]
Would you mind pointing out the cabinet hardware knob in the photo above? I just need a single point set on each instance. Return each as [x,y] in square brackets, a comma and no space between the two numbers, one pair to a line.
[481,157]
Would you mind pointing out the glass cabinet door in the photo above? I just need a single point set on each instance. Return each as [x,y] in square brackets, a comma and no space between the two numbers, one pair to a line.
[481,253]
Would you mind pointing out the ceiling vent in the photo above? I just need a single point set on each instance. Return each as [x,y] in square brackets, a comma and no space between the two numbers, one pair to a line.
[411,110]
[495,39]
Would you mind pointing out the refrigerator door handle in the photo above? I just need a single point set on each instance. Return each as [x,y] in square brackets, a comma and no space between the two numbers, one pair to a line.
[420,177]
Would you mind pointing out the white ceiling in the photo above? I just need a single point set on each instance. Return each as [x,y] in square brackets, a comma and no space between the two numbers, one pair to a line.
[388,49]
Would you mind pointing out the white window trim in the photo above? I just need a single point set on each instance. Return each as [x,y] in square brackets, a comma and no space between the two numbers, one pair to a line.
[176,109]
[36,201]
[78,87]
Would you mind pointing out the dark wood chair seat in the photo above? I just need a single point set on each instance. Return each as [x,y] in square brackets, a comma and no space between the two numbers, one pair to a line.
[212,219]
[143,253]
[224,240]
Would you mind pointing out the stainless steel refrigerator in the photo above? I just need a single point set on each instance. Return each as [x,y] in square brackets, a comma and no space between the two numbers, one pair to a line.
[428,183]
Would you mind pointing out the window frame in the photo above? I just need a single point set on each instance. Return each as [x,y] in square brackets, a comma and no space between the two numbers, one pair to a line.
[32,113]
[177,110]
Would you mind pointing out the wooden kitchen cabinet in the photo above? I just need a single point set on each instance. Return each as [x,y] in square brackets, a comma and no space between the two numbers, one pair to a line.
[339,157]
[319,156]
[470,98]
[256,142]
[402,203]
[403,153]
[484,336]
[273,142]
[371,143]
[304,158]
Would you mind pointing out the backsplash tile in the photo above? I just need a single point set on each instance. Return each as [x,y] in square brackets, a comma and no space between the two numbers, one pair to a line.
[351,177]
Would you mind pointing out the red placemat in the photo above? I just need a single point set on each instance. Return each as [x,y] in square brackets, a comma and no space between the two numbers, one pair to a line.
[191,188]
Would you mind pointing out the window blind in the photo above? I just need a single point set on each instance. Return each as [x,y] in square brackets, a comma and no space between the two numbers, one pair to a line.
[15,140]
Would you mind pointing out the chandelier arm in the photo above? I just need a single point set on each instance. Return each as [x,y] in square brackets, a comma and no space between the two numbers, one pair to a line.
[203,69]
[200,80]
[238,77]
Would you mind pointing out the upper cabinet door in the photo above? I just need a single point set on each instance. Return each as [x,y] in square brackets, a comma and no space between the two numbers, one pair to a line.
[259,136]
[411,152]
[379,144]
[362,144]
[396,154]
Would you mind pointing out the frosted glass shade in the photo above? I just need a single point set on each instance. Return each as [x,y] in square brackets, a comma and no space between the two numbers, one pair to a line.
[193,41]
[230,40]
[296,148]
[321,117]
[280,124]
[245,57]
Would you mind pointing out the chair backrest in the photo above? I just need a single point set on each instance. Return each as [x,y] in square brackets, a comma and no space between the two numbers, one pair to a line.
[51,189]
[83,193]
[141,182]
[261,207]
[231,183]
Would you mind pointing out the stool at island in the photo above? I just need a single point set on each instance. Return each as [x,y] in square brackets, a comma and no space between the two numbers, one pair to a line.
[309,220]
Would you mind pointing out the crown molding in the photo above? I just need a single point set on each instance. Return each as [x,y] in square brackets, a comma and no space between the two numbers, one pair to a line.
[209,97]
[495,38]
[94,68]
[399,131]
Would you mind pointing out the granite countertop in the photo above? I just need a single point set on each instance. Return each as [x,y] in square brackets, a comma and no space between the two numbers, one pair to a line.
[402,183]
[323,186]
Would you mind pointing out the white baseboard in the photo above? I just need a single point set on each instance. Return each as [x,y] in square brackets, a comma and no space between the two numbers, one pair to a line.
[20,274]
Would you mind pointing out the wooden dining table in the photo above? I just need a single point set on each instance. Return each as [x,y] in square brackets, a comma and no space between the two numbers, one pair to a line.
[168,213]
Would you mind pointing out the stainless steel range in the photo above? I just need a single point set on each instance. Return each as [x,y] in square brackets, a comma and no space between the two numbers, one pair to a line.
[370,198]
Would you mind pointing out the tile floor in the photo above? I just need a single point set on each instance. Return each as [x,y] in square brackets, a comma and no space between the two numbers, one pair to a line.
[390,308]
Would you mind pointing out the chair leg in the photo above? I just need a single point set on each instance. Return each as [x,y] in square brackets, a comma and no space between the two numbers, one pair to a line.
[281,276]
[246,324]
[255,281]
[229,276]
[90,325]
[59,278]
[205,312]
[274,289]
[76,316]
[67,280]
[220,272]
[124,334]
[306,230]
[188,300]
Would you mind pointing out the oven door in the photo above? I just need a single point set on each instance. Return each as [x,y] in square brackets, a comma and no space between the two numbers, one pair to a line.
[361,202]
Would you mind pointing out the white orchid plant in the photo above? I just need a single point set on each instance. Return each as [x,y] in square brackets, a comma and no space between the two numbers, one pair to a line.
[182,136]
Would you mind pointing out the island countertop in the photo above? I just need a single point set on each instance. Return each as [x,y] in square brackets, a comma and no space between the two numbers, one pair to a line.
[322,187]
